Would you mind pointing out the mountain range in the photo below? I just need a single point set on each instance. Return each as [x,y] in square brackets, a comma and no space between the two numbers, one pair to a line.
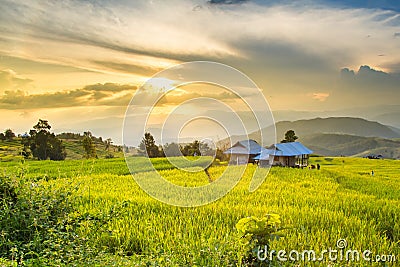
[335,136]
[385,114]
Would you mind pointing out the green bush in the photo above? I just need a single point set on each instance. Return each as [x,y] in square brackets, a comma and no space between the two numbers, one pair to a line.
[41,226]
[34,221]
[255,235]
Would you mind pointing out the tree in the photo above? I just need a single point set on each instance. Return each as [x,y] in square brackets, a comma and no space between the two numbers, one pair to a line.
[9,135]
[56,148]
[192,149]
[2,137]
[108,144]
[39,137]
[172,150]
[26,150]
[205,150]
[290,136]
[148,144]
[43,144]
[88,145]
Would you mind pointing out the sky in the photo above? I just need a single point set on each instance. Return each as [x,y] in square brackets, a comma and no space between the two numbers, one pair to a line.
[79,63]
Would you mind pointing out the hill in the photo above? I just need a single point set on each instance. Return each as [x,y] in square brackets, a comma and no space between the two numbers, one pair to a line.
[351,145]
[337,125]
[335,136]
[11,150]
[74,148]
[391,118]
[333,125]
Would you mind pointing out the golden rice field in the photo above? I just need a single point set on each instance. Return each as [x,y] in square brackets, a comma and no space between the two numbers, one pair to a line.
[317,208]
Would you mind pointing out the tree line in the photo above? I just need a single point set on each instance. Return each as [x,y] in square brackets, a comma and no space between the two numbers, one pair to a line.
[149,148]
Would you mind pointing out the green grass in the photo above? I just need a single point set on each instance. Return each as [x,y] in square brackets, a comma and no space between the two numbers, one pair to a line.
[342,200]
[11,150]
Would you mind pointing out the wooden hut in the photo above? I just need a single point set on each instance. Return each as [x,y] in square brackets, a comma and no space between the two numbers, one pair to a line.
[293,154]
[243,152]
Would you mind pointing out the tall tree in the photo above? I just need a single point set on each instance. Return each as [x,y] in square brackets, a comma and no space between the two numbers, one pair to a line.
[9,134]
[290,136]
[88,145]
[40,134]
[148,144]
[43,144]
[56,149]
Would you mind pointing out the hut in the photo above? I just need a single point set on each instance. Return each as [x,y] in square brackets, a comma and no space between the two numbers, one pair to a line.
[243,152]
[293,154]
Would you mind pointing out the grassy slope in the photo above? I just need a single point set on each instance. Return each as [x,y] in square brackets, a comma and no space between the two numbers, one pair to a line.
[10,150]
[341,201]
[75,149]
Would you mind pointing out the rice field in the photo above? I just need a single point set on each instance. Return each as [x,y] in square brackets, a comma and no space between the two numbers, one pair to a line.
[317,208]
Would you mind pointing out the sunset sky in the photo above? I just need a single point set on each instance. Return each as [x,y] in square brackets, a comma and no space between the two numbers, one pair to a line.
[78,63]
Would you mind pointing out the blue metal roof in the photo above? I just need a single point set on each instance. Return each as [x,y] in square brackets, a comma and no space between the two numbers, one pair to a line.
[264,155]
[245,147]
[251,147]
[291,149]
[284,149]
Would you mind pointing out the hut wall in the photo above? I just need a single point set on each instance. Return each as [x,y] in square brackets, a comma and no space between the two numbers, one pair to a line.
[239,159]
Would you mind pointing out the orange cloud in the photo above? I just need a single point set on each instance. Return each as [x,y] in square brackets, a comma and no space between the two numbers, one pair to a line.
[320,96]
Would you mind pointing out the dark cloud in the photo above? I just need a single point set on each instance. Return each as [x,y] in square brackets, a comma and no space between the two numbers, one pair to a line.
[91,95]
[368,79]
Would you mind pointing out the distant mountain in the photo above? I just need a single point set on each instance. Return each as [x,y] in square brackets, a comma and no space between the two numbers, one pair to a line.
[384,114]
[335,136]
[394,129]
[351,145]
[392,118]
[337,125]
[333,125]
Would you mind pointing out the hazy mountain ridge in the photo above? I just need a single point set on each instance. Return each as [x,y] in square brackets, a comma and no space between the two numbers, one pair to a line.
[384,114]
[337,125]
[336,136]
[351,145]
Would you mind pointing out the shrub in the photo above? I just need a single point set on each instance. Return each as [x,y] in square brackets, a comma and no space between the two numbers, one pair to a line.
[40,226]
[255,235]
[34,220]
